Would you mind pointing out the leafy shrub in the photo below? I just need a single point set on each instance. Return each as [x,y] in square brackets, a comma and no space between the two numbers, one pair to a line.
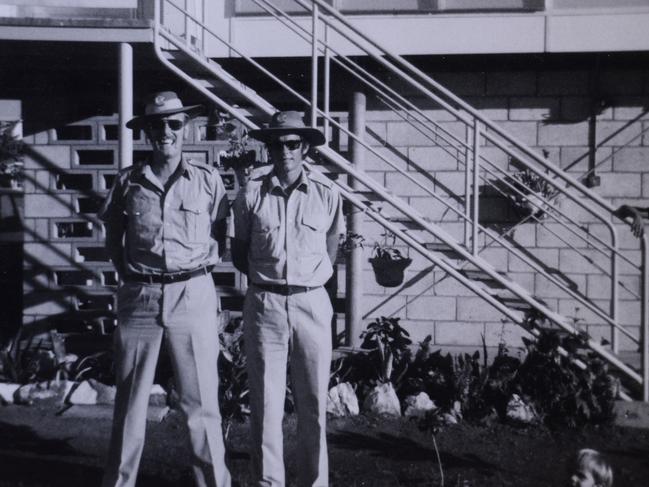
[447,379]
[233,376]
[564,393]
[23,361]
[388,346]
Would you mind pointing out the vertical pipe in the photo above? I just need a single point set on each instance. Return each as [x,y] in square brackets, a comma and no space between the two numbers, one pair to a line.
[644,332]
[476,182]
[187,33]
[327,81]
[125,104]
[314,65]
[615,334]
[203,33]
[354,275]
[467,188]
[158,13]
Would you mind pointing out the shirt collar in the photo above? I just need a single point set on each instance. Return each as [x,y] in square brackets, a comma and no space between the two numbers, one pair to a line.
[273,184]
[145,170]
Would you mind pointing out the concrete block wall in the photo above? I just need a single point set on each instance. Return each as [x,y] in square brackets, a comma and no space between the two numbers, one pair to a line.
[68,279]
[550,110]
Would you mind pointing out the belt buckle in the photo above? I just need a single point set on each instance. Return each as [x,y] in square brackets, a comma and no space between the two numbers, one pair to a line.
[174,277]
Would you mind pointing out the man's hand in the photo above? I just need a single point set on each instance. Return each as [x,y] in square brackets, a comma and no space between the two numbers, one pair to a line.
[637,225]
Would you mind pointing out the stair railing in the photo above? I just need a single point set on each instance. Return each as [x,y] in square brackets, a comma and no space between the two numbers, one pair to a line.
[343,164]
[472,228]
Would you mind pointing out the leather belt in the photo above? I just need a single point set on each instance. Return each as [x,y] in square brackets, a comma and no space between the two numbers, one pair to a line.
[168,278]
[284,289]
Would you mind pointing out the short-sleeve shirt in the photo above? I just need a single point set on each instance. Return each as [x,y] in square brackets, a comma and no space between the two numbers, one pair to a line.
[287,233]
[167,231]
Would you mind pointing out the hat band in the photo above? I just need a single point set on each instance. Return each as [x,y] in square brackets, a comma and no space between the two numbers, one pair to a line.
[173,104]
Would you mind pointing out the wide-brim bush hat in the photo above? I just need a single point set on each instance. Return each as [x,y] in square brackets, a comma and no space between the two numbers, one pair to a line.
[288,122]
[162,104]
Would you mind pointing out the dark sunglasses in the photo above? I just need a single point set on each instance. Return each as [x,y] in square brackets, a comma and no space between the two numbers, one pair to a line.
[159,124]
[289,144]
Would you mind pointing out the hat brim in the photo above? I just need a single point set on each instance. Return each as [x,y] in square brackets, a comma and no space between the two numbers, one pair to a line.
[313,136]
[139,121]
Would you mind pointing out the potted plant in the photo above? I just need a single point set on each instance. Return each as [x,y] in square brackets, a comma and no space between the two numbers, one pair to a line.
[388,350]
[233,375]
[348,243]
[238,156]
[388,262]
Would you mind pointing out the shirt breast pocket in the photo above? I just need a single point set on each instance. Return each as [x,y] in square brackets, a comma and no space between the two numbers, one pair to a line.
[265,237]
[196,222]
[311,233]
[141,221]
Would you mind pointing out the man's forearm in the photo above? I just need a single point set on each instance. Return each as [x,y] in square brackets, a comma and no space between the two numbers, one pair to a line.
[115,247]
[219,231]
[332,247]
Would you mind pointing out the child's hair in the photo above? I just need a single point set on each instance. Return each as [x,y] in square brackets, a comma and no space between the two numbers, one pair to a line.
[596,464]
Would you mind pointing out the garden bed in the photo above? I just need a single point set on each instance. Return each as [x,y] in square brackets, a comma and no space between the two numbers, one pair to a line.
[41,448]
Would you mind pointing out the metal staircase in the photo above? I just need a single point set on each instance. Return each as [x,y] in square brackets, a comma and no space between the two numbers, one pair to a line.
[463,254]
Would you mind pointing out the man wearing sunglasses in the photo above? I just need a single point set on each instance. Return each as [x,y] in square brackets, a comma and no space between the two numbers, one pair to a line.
[164,232]
[287,226]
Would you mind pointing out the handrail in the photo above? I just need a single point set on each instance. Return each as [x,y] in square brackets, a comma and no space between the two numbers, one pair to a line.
[267,4]
[337,160]
[613,234]
[284,18]
[450,95]
[382,58]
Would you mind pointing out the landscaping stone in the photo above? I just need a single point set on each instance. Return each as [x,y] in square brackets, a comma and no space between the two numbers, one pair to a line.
[83,394]
[383,400]
[158,396]
[633,414]
[42,391]
[450,418]
[7,391]
[70,358]
[105,411]
[418,405]
[519,411]
[342,400]
[105,393]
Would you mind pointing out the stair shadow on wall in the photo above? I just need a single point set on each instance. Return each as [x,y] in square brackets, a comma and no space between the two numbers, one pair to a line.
[407,284]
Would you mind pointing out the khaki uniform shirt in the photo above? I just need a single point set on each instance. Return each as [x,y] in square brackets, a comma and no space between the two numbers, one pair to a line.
[166,231]
[287,234]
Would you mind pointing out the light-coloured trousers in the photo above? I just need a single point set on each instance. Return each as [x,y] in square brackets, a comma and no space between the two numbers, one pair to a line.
[297,329]
[185,314]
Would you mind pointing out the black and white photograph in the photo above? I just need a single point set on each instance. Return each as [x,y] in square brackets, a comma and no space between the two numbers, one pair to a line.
[324,243]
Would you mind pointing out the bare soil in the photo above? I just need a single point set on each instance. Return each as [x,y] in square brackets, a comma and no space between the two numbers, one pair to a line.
[39,447]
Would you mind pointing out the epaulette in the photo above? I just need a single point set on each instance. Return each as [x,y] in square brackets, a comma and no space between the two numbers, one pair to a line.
[124,172]
[200,165]
[319,178]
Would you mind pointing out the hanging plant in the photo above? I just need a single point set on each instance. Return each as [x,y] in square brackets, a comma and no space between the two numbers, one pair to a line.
[238,155]
[388,262]
[532,194]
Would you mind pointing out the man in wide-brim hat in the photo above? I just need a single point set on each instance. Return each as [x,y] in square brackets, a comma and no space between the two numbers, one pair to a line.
[287,226]
[161,105]
[164,221]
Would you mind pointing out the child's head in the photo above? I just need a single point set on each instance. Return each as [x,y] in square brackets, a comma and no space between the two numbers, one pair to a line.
[591,470]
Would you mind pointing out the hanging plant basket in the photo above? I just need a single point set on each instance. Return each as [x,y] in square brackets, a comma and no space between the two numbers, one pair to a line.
[534,204]
[389,266]
[534,196]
